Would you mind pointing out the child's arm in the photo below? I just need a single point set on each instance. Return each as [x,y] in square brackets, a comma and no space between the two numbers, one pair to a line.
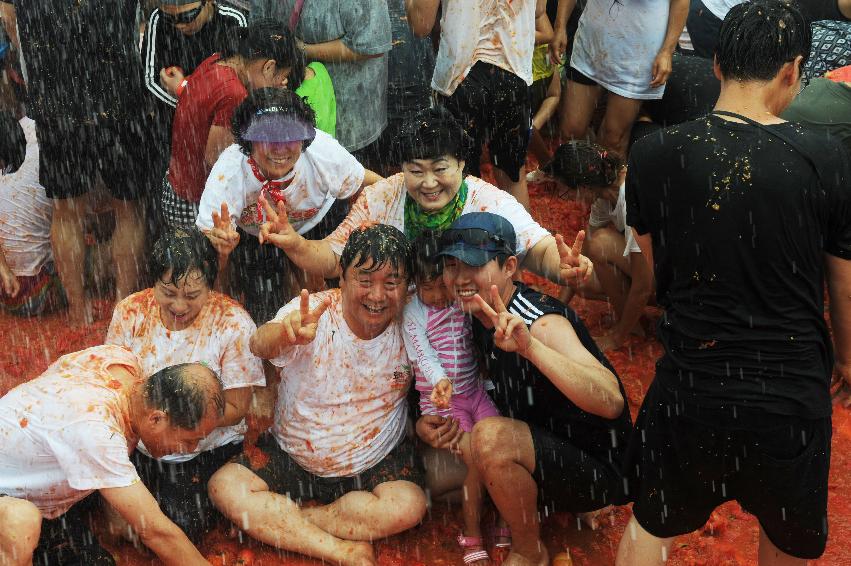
[417,344]
[9,284]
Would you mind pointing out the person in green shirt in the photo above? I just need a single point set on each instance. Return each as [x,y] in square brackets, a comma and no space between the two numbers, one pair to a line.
[824,105]
[318,91]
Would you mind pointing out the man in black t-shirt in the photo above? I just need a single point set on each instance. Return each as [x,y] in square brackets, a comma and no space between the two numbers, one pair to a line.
[564,416]
[743,213]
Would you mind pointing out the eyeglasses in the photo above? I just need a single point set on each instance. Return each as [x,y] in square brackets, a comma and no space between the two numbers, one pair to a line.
[474,237]
[186,17]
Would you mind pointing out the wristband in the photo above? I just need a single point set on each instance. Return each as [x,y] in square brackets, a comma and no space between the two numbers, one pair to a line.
[181,87]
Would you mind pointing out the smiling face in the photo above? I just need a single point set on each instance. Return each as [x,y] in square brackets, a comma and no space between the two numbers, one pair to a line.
[180,302]
[433,292]
[433,183]
[276,159]
[372,300]
[465,281]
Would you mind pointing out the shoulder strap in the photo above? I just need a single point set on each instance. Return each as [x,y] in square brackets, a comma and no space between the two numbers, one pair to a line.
[780,135]
[295,15]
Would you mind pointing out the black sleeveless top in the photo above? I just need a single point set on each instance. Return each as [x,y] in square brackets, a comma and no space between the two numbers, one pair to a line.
[524,393]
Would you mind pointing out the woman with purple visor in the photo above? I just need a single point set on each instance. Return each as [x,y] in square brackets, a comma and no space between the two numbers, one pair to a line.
[281,158]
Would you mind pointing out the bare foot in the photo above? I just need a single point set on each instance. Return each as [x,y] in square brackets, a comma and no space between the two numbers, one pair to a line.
[516,559]
[358,554]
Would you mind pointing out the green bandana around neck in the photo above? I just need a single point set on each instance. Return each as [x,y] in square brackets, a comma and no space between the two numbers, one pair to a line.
[417,221]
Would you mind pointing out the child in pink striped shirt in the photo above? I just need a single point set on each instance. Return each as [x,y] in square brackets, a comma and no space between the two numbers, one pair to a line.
[439,340]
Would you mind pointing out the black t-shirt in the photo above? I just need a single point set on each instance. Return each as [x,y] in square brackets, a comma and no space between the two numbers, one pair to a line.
[740,223]
[82,58]
[524,393]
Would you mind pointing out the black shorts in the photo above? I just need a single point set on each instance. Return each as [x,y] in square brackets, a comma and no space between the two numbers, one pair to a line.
[683,461]
[492,104]
[71,155]
[572,74]
[570,479]
[283,475]
[69,539]
[180,488]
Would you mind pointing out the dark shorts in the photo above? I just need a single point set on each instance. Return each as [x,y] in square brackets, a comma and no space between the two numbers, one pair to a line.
[181,487]
[71,155]
[572,74]
[68,540]
[492,104]
[684,461]
[283,475]
[570,479]
[703,29]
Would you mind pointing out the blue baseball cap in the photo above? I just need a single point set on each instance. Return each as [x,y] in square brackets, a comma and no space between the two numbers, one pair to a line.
[476,238]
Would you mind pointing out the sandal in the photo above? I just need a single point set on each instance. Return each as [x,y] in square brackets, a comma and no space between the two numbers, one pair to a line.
[471,556]
[503,533]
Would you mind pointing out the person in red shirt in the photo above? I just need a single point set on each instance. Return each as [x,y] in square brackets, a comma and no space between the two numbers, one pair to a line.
[264,54]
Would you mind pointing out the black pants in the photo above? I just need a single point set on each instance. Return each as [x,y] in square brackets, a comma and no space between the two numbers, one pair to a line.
[69,541]
[181,488]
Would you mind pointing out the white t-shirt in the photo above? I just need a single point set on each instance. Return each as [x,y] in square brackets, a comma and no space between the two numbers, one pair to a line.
[492,31]
[342,400]
[218,338]
[602,213]
[25,212]
[384,203]
[67,432]
[323,173]
[616,43]
[720,7]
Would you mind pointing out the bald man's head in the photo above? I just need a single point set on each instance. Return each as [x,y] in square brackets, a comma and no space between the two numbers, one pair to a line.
[185,392]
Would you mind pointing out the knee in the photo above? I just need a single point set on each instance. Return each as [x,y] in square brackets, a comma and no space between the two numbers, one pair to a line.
[600,245]
[490,442]
[613,135]
[409,506]
[225,488]
[22,521]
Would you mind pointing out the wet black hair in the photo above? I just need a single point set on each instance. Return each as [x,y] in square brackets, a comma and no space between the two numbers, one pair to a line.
[13,144]
[267,39]
[183,250]
[261,99]
[430,134]
[424,250]
[183,396]
[580,163]
[375,246]
[758,37]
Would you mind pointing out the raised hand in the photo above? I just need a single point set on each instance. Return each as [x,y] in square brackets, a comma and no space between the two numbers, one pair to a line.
[170,79]
[299,327]
[572,265]
[223,236]
[441,395]
[277,229]
[510,331]
[558,46]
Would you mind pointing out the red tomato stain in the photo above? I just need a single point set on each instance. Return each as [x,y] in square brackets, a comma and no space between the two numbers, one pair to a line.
[24,422]
[114,384]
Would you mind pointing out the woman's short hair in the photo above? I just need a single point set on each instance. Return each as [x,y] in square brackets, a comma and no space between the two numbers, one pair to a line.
[267,39]
[181,251]
[430,134]
[580,163]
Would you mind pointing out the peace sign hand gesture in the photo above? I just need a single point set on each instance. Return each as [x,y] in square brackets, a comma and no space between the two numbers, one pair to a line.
[299,327]
[223,236]
[510,331]
[572,264]
[277,229]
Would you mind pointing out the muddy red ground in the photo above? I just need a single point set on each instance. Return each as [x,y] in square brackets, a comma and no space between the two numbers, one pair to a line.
[26,348]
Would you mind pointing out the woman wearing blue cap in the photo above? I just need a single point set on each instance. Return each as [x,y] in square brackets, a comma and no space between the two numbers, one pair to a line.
[279,157]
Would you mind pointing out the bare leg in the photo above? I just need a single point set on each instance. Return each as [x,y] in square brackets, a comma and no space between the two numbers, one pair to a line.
[445,474]
[537,144]
[577,109]
[392,507]
[605,249]
[617,123]
[128,242]
[276,519]
[21,522]
[770,555]
[471,505]
[640,548]
[517,189]
[505,457]
[66,234]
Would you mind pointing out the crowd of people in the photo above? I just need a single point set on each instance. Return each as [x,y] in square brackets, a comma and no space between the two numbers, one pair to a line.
[290,201]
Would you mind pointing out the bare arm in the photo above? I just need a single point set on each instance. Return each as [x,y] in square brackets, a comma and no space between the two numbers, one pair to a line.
[839,287]
[9,284]
[662,64]
[543,30]
[558,45]
[370,178]
[422,15]
[218,139]
[139,508]
[334,51]
[10,23]
[237,402]
[298,328]
[558,262]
